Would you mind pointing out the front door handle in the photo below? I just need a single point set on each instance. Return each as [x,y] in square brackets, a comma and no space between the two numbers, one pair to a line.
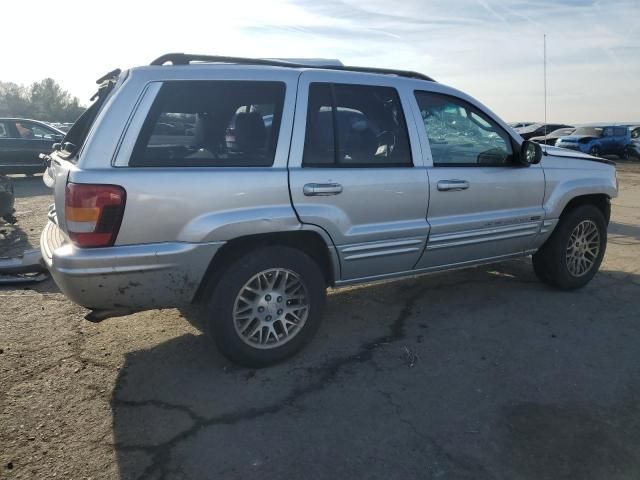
[321,189]
[452,185]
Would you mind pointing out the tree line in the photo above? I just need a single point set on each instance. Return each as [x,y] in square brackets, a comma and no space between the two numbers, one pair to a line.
[45,100]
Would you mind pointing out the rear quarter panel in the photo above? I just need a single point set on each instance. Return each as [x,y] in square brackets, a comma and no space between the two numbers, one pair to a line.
[188,204]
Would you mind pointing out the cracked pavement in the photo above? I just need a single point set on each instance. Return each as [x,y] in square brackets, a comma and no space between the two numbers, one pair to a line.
[482,373]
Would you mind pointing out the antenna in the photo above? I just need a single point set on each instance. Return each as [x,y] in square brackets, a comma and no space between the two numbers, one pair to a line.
[544,47]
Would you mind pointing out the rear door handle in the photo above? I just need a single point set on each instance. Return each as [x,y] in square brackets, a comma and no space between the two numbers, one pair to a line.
[452,185]
[321,189]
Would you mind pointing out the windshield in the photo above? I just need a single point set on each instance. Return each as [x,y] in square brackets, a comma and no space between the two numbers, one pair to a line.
[77,134]
[562,131]
[589,131]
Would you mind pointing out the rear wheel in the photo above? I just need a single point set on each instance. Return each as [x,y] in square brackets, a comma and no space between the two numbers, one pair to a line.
[595,151]
[572,255]
[267,305]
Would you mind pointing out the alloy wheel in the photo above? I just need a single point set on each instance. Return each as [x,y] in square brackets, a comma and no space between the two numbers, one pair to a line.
[583,248]
[271,308]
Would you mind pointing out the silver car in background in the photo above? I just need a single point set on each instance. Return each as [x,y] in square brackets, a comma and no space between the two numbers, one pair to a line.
[249,186]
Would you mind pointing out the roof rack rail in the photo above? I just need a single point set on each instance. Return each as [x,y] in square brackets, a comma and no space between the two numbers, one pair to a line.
[186,59]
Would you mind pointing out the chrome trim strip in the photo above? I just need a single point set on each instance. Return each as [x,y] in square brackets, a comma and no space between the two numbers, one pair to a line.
[548,225]
[375,246]
[382,253]
[483,231]
[526,233]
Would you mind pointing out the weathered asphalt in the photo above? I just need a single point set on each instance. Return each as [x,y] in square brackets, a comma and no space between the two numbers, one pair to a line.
[482,373]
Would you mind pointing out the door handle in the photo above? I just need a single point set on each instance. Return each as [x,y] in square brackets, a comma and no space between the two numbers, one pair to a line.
[452,185]
[321,189]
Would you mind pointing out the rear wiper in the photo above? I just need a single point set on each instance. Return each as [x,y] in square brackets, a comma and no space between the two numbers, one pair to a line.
[112,75]
[106,83]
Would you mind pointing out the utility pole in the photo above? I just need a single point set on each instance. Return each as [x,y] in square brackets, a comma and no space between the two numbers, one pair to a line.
[544,47]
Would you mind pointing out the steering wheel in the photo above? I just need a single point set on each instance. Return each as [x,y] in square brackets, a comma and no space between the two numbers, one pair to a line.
[383,139]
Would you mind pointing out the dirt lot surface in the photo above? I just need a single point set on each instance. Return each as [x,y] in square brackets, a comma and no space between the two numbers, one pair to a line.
[482,373]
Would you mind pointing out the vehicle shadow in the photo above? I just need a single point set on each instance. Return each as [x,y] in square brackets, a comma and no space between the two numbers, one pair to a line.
[474,374]
[624,229]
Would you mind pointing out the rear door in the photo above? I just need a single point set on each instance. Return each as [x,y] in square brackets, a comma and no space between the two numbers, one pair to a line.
[355,170]
[622,139]
[608,141]
[482,206]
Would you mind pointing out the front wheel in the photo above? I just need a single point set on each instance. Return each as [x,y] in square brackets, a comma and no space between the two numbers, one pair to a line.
[267,305]
[571,257]
[595,151]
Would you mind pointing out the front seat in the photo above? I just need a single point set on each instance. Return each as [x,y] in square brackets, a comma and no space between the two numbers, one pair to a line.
[251,134]
[361,143]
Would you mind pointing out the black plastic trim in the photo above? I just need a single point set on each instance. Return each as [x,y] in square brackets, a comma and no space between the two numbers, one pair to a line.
[186,59]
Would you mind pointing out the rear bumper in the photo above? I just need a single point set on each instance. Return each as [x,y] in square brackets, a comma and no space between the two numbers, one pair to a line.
[132,276]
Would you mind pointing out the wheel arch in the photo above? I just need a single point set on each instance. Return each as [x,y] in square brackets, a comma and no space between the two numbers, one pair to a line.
[600,200]
[314,243]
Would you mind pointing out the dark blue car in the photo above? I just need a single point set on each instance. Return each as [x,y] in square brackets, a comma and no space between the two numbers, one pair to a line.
[598,141]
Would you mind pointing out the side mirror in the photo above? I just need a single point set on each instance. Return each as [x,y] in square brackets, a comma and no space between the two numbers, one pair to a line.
[530,153]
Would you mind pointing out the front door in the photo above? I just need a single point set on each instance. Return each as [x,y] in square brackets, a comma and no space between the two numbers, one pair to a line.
[483,205]
[355,170]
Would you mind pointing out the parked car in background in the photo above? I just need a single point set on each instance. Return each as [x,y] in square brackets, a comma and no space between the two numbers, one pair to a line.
[21,143]
[633,150]
[598,140]
[539,129]
[520,124]
[552,137]
[6,199]
[297,179]
[63,127]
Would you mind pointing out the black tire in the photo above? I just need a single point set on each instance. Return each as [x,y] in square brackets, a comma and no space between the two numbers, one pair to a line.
[625,153]
[550,261]
[218,321]
[595,151]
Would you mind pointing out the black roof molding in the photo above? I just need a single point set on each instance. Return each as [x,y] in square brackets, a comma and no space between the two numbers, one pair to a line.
[186,59]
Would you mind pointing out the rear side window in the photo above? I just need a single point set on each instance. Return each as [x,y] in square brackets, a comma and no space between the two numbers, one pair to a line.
[211,124]
[620,131]
[4,130]
[355,126]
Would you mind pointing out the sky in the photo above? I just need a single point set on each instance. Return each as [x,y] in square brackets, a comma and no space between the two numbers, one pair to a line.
[491,49]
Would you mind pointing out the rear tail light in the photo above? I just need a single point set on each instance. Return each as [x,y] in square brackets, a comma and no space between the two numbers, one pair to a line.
[93,213]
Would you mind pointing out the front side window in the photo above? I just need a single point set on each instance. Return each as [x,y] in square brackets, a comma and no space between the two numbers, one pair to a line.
[40,133]
[355,126]
[589,131]
[4,130]
[460,135]
[212,123]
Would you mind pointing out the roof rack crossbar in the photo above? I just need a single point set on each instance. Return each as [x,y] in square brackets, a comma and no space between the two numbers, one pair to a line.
[186,59]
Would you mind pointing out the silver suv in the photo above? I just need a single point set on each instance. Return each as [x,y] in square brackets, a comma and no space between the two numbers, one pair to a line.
[249,186]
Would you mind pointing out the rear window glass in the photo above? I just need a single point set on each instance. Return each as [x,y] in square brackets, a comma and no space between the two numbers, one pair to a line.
[211,123]
[77,134]
[355,126]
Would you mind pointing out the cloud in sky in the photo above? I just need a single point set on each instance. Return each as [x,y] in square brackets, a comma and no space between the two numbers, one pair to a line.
[491,49]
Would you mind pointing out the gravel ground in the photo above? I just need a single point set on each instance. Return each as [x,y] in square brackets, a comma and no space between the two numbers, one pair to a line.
[482,373]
